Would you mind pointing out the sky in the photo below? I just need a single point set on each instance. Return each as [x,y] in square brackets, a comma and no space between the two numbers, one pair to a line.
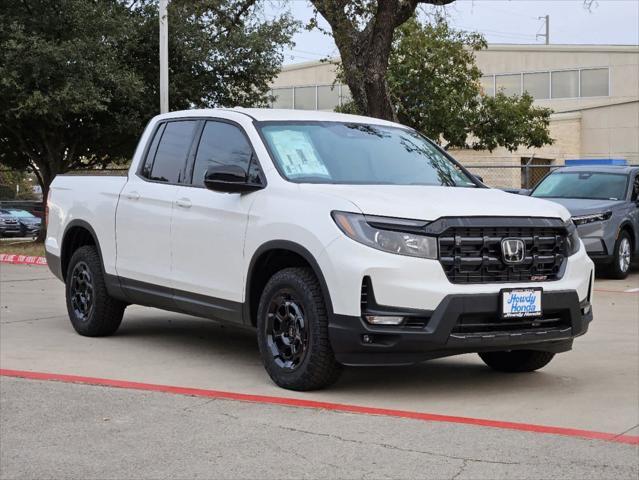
[501,21]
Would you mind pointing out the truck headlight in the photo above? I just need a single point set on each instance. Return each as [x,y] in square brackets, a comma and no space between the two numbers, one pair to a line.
[393,235]
[572,238]
[590,218]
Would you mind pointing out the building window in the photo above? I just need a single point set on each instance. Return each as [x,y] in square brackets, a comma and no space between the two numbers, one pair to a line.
[565,84]
[594,82]
[587,82]
[305,98]
[283,98]
[537,84]
[315,97]
[508,84]
[327,97]
[487,85]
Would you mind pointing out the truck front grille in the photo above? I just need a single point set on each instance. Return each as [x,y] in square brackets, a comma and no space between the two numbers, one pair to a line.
[473,254]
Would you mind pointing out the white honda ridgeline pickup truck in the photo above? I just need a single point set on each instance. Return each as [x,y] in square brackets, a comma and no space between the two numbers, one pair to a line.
[342,240]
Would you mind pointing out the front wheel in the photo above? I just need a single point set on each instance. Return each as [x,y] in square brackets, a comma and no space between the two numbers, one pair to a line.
[622,257]
[516,361]
[292,332]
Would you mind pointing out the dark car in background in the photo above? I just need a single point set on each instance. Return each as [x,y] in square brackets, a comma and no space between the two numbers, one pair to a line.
[603,202]
[29,224]
[9,225]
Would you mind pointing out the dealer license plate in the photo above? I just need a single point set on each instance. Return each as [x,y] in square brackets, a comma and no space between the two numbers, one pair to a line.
[521,303]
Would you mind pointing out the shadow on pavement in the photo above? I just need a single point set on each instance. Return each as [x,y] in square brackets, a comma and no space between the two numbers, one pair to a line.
[227,347]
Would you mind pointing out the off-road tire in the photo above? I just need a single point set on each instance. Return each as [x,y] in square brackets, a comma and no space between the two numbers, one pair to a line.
[517,361]
[318,369]
[106,313]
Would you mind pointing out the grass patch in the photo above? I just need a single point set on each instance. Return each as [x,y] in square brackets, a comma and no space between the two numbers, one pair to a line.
[22,247]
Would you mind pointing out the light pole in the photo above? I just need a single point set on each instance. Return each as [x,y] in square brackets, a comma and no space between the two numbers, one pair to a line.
[164,57]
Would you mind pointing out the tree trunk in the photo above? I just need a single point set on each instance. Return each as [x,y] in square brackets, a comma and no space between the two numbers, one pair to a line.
[42,234]
[44,175]
[378,95]
[370,91]
[365,55]
[365,52]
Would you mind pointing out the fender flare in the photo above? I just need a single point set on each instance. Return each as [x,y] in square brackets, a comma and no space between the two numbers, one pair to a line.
[85,225]
[112,281]
[295,248]
[627,225]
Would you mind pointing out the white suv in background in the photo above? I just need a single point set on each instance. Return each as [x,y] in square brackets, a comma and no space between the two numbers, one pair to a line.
[342,240]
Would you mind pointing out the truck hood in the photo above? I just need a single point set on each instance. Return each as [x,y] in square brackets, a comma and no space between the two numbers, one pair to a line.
[430,203]
[582,206]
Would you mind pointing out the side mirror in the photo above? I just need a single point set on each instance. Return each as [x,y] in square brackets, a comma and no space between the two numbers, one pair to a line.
[524,191]
[479,177]
[229,179]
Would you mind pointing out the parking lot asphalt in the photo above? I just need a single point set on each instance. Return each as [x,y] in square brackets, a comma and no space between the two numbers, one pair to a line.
[54,430]
[594,387]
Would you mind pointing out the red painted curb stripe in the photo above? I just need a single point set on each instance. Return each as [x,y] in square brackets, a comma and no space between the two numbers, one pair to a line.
[22,259]
[340,407]
[615,291]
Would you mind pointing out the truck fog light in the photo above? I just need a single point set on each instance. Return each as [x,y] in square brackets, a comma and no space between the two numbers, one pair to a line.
[383,320]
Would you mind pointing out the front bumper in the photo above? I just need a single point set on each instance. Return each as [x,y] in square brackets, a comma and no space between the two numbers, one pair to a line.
[30,228]
[9,230]
[599,240]
[356,342]
[416,283]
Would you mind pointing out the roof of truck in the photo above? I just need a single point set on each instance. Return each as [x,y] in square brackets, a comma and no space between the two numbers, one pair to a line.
[276,114]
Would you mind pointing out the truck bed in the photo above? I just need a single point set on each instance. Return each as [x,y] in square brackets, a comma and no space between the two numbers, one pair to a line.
[86,199]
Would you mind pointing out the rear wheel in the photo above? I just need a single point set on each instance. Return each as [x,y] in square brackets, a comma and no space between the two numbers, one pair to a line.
[622,257]
[517,360]
[92,311]
[292,331]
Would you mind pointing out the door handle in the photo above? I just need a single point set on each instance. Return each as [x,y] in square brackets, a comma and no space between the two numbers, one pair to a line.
[183,202]
[133,196]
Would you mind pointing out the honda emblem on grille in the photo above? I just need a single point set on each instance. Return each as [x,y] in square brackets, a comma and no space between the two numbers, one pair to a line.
[513,250]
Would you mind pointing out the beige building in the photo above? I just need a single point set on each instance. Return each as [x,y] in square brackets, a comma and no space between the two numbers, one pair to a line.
[592,89]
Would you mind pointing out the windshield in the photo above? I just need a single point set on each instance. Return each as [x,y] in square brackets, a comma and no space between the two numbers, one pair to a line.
[586,185]
[20,213]
[351,153]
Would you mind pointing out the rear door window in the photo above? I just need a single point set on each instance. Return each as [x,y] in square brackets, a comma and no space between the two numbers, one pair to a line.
[172,151]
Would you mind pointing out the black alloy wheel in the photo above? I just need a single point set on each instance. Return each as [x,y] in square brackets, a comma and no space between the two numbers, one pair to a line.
[82,292]
[92,311]
[292,331]
[287,332]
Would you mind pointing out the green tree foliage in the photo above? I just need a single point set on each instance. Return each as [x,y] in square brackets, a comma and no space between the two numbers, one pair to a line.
[15,184]
[79,79]
[434,85]
[509,122]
